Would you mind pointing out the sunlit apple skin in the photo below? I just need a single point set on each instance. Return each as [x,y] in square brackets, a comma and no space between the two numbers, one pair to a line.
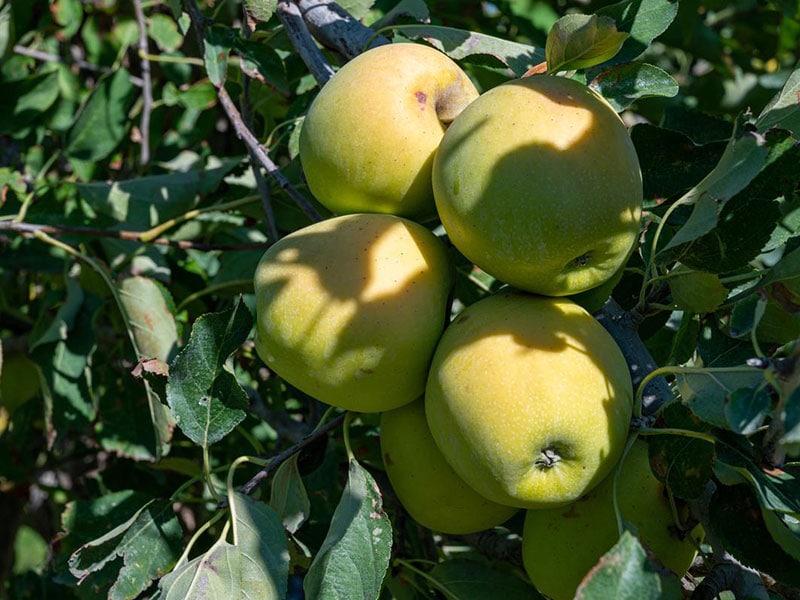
[349,309]
[538,183]
[424,482]
[368,140]
[559,546]
[529,399]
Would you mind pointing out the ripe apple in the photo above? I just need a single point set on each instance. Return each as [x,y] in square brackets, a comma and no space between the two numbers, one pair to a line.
[529,399]
[538,183]
[780,323]
[559,546]
[368,140]
[424,482]
[349,309]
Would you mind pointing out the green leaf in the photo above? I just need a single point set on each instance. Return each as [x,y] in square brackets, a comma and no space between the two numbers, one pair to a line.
[23,101]
[623,84]
[146,201]
[148,542]
[644,20]
[154,327]
[745,156]
[218,43]
[256,565]
[671,162]
[357,8]
[696,291]
[202,392]
[416,10]
[83,520]
[776,490]
[164,31]
[259,536]
[581,41]
[791,423]
[354,557]
[465,579]
[705,393]
[64,355]
[134,423]
[261,10]
[103,123]
[785,530]
[683,464]
[459,44]
[7,34]
[747,221]
[738,526]
[746,409]
[288,495]
[784,108]
[625,572]
[264,59]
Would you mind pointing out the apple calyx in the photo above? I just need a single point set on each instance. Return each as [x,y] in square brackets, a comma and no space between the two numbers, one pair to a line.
[548,459]
[581,261]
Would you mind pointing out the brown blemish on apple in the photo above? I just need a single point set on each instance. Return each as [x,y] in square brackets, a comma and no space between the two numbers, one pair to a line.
[422,97]
[387,459]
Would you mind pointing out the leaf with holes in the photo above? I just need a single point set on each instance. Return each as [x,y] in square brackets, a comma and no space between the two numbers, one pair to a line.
[354,557]
[202,391]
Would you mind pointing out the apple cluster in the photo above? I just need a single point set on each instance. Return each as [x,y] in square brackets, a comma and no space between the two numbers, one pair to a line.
[522,400]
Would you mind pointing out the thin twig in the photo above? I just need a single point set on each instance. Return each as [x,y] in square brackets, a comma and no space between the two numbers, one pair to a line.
[244,133]
[147,85]
[81,64]
[134,236]
[279,459]
[264,191]
[295,26]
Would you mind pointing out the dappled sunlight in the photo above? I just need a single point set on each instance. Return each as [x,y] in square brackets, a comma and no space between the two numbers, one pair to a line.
[352,307]
[530,376]
[543,191]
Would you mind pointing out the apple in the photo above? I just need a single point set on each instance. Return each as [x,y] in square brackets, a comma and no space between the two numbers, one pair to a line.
[368,140]
[349,309]
[424,482]
[537,182]
[529,399]
[780,323]
[560,545]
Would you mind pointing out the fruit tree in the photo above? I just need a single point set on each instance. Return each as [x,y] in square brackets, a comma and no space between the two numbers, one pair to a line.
[399,299]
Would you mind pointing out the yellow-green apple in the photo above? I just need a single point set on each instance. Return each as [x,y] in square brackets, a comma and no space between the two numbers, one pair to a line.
[529,399]
[780,323]
[368,140]
[538,183]
[424,482]
[559,546]
[349,309]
